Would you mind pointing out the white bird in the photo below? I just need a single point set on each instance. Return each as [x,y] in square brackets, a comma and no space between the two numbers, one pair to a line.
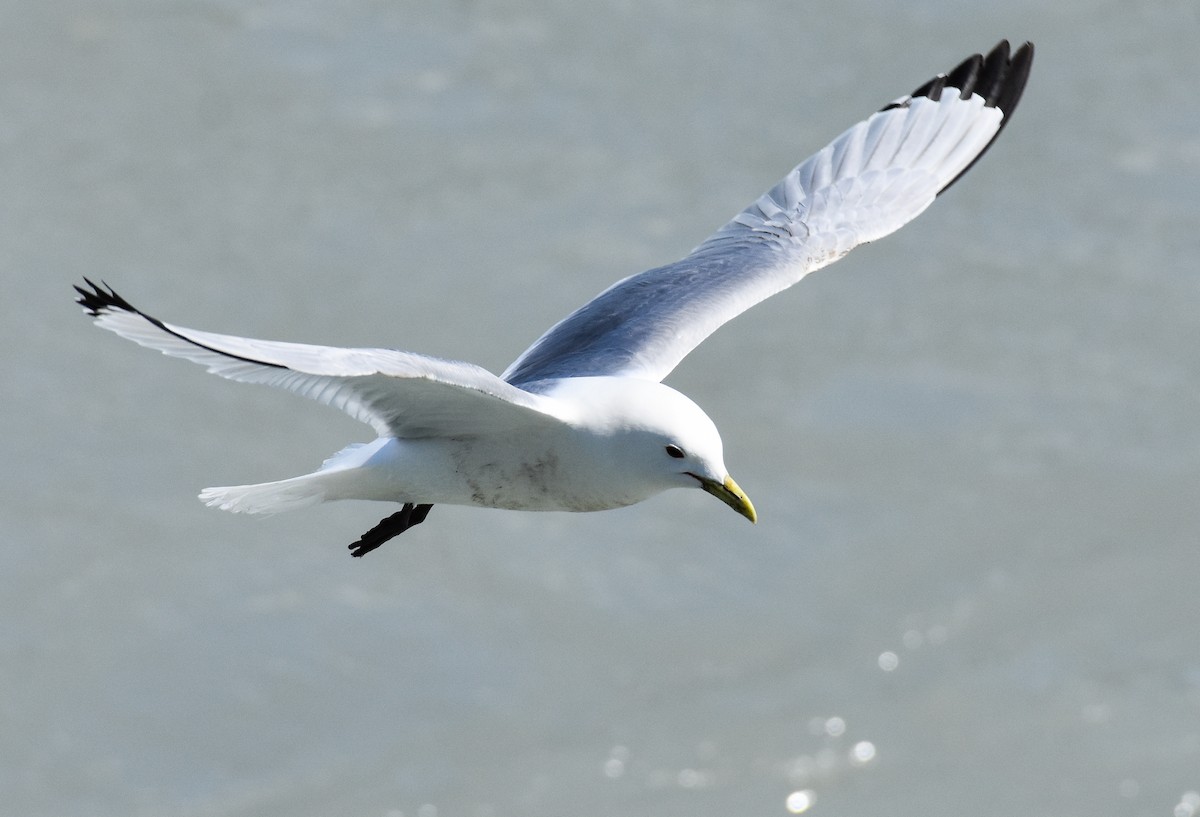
[581,421]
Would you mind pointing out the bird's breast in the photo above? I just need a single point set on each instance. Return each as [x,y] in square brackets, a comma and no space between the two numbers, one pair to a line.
[537,475]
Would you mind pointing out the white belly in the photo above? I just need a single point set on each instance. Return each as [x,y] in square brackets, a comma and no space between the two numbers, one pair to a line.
[514,473]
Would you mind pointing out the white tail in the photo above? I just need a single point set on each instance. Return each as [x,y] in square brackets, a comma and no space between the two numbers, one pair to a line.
[268,497]
[298,492]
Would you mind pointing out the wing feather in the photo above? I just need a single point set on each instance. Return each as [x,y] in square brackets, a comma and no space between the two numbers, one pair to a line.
[867,183]
[399,394]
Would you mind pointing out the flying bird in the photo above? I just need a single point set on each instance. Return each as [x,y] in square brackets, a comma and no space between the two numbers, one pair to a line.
[581,420]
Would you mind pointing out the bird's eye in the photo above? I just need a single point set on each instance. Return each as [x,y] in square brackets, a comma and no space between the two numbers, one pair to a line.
[675,451]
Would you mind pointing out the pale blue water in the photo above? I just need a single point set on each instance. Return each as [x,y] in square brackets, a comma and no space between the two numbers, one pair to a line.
[974,446]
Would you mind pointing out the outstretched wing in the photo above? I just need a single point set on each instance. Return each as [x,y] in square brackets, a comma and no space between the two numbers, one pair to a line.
[399,394]
[867,183]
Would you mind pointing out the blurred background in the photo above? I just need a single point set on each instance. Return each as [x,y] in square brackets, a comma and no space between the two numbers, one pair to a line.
[974,445]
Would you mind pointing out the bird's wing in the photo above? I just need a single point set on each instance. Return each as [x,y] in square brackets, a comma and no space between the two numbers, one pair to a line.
[867,183]
[399,394]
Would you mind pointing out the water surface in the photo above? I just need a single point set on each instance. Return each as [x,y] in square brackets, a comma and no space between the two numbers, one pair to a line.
[974,446]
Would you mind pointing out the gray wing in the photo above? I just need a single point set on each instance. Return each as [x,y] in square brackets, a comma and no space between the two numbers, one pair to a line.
[869,182]
[399,394]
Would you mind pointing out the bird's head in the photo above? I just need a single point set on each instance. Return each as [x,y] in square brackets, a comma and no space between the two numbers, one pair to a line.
[659,436]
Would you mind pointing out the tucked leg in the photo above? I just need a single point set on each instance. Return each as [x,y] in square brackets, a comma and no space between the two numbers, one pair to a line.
[390,527]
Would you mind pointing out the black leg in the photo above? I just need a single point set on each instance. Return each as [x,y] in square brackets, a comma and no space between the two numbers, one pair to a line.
[389,528]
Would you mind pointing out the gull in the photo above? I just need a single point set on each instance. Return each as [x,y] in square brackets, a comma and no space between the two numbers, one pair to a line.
[581,421]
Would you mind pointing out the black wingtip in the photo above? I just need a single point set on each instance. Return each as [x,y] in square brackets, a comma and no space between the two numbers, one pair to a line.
[1002,81]
[965,76]
[999,78]
[100,298]
[1015,75]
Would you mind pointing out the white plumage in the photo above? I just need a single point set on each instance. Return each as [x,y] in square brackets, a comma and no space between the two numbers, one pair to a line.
[580,420]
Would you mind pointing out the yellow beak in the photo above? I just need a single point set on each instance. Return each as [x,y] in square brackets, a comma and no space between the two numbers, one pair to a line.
[733,496]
